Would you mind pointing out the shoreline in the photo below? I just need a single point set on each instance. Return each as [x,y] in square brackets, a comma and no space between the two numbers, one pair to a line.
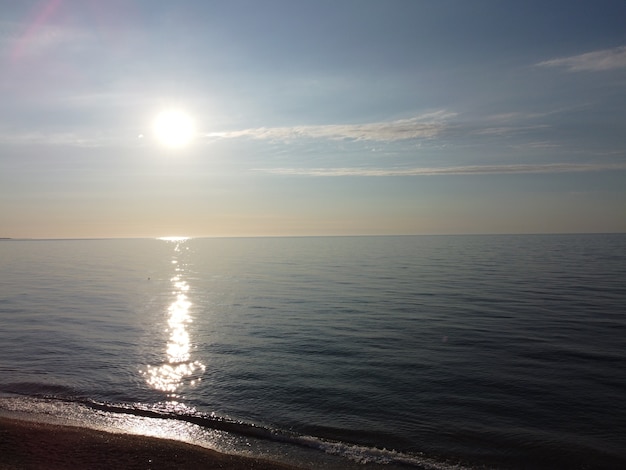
[37,445]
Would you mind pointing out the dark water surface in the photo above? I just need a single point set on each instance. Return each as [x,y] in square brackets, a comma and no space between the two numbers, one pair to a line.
[365,352]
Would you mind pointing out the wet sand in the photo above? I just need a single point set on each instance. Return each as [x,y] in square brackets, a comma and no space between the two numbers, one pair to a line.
[29,445]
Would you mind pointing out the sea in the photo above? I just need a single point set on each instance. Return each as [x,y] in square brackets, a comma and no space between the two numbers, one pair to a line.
[426,352]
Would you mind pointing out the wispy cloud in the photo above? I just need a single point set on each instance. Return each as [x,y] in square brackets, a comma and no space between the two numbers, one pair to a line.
[508,130]
[454,170]
[419,127]
[606,59]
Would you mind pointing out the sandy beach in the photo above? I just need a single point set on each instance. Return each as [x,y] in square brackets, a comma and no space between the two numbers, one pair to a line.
[30,445]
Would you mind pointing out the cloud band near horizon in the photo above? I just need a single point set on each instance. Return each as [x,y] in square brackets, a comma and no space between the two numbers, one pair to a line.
[456,170]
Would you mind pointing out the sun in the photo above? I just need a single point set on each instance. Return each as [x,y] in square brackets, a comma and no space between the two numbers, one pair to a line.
[174,128]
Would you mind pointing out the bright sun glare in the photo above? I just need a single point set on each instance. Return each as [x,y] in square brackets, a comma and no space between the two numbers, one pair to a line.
[174,128]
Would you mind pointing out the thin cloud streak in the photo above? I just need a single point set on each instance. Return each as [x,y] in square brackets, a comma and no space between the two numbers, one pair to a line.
[508,130]
[456,170]
[67,139]
[606,59]
[420,127]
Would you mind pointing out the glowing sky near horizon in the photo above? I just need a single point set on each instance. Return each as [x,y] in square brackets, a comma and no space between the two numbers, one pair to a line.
[311,118]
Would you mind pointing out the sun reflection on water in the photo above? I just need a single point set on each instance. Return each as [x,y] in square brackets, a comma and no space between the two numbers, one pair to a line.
[169,377]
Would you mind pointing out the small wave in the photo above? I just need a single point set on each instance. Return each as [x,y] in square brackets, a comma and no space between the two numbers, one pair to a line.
[185,414]
[356,453]
[366,455]
[180,412]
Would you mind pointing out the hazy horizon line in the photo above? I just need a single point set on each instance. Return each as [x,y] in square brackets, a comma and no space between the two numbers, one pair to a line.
[185,238]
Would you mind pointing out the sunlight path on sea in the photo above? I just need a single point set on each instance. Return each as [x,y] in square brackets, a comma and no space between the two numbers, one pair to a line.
[169,377]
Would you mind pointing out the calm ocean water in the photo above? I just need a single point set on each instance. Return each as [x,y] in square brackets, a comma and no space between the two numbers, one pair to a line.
[352,352]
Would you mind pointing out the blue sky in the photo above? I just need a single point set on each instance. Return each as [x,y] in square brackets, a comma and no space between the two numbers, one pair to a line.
[312,117]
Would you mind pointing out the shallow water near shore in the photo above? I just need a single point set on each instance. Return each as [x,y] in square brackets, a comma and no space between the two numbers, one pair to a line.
[426,351]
